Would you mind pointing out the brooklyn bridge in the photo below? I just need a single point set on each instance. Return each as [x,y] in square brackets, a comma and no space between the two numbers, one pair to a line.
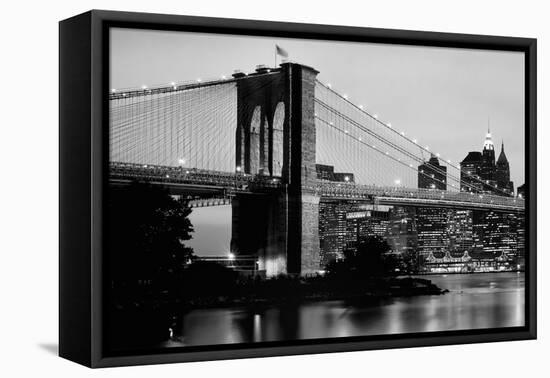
[261,141]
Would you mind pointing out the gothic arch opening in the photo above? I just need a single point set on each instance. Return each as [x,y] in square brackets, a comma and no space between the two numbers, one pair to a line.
[254,132]
[278,125]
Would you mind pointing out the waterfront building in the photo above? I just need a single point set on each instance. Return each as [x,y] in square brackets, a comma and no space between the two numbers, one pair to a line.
[495,240]
[520,254]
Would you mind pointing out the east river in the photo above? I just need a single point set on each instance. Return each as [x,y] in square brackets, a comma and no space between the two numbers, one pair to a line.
[485,300]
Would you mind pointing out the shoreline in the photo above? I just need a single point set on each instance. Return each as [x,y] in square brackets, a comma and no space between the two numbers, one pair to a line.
[393,288]
[467,273]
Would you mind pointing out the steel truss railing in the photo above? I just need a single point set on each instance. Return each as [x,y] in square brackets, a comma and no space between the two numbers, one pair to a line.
[413,196]
[329,189]
[192,176]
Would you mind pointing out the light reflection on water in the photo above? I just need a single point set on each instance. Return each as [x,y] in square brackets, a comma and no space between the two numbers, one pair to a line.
[486,300]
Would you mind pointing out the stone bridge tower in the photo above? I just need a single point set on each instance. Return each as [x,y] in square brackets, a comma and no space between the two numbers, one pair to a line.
[275,137]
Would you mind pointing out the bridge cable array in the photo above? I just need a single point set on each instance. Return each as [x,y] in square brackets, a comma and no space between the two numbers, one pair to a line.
[335,111]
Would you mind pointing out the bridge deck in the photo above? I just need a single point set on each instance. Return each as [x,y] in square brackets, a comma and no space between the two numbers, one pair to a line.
[231,183]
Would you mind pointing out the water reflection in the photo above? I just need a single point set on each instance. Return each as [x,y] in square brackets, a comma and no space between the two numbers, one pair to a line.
[475,301]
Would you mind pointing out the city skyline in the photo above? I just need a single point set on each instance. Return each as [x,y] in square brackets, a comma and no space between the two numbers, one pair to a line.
[210,221]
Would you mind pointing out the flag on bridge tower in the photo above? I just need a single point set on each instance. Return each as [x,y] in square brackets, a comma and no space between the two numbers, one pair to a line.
[280,51]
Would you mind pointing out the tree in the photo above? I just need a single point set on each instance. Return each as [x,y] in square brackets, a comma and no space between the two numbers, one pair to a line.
[410,262]
[146,253]
[146,234]
[369,259]
[203,279]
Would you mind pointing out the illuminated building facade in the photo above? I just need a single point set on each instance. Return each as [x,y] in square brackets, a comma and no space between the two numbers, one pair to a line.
[495,240]
[332,230]
[520,255]
[332,218]
[431,223]
[461,233]
[402,235]
[433,239]
[363,224]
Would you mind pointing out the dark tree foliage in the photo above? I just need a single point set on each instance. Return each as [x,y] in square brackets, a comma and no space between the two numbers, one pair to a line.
[410,262]
[147,256]
[369,260]
[147,231]
[208,279]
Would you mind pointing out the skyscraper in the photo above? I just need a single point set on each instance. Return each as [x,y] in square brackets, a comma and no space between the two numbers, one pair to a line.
[332,229]
[503,173]
[479,172]
[431,223]
[488,168]
[369,221]
[470,172]
[433,238]
[494,234]
[402,235]
[432,175]
[332,217]
[495,239]
[461,234]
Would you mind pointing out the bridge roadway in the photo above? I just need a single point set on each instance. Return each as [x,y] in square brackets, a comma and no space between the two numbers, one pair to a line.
[181,180]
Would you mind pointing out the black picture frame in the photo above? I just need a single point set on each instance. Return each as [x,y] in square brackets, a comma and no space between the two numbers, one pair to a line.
[83,137]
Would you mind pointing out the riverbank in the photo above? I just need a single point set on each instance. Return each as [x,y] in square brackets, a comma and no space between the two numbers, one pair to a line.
[469,273]
[286,290]
[479,301]
[158,318]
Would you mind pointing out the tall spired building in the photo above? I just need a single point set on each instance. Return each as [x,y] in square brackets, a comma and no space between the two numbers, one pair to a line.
[481,173]
[503,173]
[488,167]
